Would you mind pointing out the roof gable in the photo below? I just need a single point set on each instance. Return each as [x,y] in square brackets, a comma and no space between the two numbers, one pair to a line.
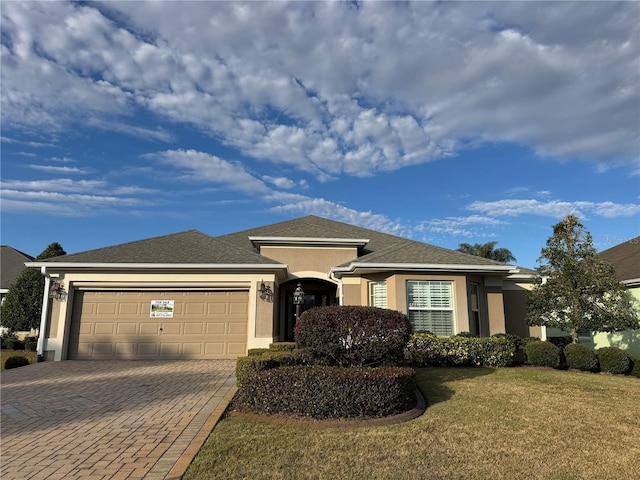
[381,248]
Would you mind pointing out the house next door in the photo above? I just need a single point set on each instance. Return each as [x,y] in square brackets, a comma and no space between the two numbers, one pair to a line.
[316,294]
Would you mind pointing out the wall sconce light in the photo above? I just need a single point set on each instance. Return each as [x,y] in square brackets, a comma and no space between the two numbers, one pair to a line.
[266,293]
[57,291]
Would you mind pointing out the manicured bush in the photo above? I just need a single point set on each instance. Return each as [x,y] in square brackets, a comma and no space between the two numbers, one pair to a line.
[329,392]
[30,344]
[543,354]
[15,362]
[283,346]
[256,352]
[353,335]
[614,360]
[430,350]
[580,357]
[12,343]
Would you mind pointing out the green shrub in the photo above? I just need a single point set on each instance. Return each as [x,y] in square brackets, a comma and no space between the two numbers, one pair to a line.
[256,352]
[580,357]
[30,344]
[15,362]
[329,391]
[466,335]
[353,335]
[517,340]
[283,346]
[614,360]
[12,343]
[430,350]
[543,354]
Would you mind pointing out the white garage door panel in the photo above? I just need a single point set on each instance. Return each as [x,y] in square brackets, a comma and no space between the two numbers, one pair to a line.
[118,325]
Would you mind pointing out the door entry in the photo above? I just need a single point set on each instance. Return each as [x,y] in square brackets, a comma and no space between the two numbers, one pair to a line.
[315,295]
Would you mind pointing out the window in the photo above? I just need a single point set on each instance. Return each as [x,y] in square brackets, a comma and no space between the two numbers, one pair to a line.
[474,305]
[378,294]
[430,306]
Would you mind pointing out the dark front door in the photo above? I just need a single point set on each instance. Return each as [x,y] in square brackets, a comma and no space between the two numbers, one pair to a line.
[315,295]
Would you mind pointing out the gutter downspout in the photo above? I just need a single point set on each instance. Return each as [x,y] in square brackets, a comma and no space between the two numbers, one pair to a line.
[44,317]
[332,276]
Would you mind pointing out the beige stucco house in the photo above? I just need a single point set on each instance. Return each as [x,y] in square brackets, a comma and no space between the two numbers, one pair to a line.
[190,295]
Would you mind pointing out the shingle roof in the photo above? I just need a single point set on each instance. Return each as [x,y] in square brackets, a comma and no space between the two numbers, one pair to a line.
[11,265]
[194,247]
[625,258]
[382,247]
[190,247]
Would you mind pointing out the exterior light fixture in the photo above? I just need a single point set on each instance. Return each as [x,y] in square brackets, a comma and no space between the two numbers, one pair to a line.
[57,291]
[298,299]
[266,293]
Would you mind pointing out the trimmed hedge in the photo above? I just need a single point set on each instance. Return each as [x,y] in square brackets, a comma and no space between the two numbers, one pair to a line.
[543,354]
[323,392]
[580,357]
[283,346]
[425,349]
[353,335]
[15,362]
[614,360]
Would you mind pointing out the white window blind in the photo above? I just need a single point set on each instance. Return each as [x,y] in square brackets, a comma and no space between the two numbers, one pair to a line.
[378,294]
[430,306]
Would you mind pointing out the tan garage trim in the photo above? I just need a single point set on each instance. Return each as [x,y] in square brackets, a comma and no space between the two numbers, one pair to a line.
[119,325]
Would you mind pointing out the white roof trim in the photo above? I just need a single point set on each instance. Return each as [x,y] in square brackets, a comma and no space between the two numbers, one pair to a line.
[631,281]
[315,241]
[157,266]
[352,267]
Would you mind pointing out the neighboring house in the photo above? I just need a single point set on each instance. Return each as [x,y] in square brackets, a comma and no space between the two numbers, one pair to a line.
[12,263]
[190,295]
[625,258]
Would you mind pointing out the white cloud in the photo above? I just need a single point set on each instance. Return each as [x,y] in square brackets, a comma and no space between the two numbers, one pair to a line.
[553,208]
[200,166]
[331,89]
[459,226]
[57,169]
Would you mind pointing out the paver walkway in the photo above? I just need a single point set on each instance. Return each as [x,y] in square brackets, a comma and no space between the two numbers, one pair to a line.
[109,419]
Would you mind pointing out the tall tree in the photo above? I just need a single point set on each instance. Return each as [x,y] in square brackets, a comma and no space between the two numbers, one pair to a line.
[488,250]
[22,306]
[575,289]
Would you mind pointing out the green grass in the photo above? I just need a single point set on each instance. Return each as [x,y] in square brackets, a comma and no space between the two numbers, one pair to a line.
[4,354]
[481,423]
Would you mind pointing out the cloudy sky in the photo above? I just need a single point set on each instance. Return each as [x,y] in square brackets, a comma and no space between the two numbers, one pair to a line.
[444,122]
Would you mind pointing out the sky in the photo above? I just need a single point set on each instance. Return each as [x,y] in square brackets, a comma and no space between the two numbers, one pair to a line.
[445,122]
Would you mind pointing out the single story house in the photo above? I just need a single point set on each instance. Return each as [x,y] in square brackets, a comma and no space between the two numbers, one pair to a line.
[190,295]
[625,259]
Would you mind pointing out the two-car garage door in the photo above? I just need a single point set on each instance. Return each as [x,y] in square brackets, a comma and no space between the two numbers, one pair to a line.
[156,325]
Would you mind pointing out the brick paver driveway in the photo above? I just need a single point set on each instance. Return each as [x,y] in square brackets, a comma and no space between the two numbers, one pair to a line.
[109,419]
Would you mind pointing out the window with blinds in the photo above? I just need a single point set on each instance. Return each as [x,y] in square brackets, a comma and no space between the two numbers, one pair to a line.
[378,294]
[430,306]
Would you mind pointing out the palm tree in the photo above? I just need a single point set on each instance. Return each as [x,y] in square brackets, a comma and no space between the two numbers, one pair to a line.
[489,251]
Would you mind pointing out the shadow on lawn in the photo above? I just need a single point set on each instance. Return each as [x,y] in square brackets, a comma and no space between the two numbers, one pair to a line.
[437,384]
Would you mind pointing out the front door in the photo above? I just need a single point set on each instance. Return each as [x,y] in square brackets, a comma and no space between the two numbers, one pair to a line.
[316,294]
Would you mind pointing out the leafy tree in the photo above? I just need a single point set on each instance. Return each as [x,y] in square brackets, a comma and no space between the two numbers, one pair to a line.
[22,306]
[575,289]
[488,250]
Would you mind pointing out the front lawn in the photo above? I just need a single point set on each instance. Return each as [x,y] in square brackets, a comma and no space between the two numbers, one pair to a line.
[4,354]
[481,423]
